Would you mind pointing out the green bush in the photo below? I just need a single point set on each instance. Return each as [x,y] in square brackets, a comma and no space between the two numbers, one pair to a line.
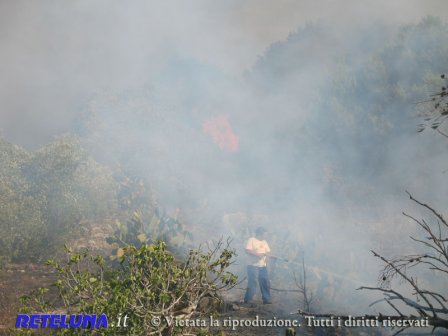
[150,283]
[22,219]
[160,227]
[44,195]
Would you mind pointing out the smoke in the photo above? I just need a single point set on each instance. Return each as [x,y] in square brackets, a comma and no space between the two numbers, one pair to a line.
[54,55]
[252,107]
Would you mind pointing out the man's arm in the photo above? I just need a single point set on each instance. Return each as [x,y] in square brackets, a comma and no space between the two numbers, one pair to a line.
[250,250]
[254,253]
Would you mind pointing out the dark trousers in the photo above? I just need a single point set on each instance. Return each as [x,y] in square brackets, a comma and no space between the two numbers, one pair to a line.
[254,272]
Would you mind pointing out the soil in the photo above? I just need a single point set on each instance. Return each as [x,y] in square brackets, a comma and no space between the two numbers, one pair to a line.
[17,280]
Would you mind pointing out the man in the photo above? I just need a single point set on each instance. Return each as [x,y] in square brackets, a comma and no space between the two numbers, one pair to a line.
[257,248]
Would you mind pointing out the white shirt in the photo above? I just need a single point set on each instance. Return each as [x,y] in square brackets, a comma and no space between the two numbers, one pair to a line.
[259,246]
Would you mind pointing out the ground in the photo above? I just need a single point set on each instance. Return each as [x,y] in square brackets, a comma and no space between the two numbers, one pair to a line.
[16,280]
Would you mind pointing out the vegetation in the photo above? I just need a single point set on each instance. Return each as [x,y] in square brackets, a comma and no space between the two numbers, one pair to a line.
[161,227]
[150,285]
[44,195]
[343,123]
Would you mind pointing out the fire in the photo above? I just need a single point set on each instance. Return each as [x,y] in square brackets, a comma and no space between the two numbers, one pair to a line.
[219,129]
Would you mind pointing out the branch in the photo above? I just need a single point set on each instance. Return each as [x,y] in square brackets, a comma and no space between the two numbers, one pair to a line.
[405,300]
[429,208]
[404,276]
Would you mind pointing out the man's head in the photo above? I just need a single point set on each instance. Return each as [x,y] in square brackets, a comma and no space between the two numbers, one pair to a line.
[260,232]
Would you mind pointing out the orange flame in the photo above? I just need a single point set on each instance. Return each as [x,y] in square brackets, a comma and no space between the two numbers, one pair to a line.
[219,129]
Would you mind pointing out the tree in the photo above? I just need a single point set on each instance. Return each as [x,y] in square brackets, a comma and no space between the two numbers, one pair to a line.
[428,303]
[44,195]
[22,216]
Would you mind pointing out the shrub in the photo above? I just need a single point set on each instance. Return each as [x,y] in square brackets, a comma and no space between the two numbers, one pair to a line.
[149,284]
[44,195]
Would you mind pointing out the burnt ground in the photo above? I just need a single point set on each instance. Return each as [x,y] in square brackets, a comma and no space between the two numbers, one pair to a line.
[20,279]
[15,281]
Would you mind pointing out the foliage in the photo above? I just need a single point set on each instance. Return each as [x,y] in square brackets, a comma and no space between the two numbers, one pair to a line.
[150,283]
[161,227]
[72,183]
[46,193]
[368,100]
[349,114]
[134,194]
[22,220]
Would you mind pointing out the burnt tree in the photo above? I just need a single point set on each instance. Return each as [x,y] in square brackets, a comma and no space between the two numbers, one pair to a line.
[427,303]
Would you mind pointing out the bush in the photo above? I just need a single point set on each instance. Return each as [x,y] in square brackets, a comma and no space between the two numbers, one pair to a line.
[22,219]
[160,227]
[44,195]
[150,283]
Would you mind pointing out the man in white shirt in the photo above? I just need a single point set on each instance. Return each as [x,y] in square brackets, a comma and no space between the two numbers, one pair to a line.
[257,248]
